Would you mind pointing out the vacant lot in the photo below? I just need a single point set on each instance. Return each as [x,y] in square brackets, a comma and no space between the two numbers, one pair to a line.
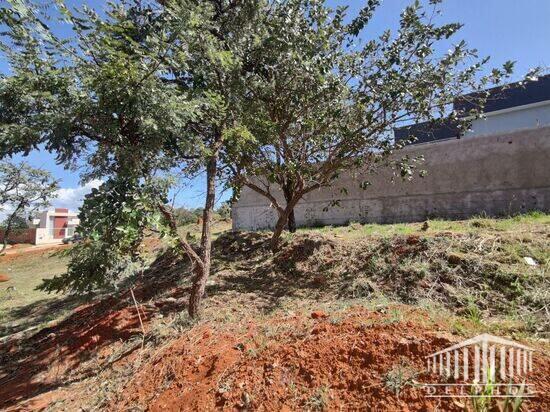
[339,318]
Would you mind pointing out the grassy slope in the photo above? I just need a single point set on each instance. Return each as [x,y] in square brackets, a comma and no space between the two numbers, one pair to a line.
[478,225]
[473,268]
[194,230]
[22,306]
[468,277]
[504,241]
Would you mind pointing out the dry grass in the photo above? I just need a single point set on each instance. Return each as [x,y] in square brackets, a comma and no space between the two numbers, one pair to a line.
[475,268]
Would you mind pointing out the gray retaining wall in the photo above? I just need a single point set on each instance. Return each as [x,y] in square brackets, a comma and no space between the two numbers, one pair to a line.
[496,175]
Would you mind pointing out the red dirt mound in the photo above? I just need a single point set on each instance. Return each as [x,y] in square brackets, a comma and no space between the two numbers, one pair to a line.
[93,337]
[300,364]
[4,278]
[47,358]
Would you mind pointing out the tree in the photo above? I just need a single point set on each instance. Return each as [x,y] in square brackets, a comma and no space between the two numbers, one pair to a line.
[113,222]
[23,189]
[185,216]
[318,103]
[224,210]
[19,222]
[142,91]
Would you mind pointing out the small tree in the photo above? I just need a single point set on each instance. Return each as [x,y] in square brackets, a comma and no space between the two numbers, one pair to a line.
[224,210]
[185,216]
[318,103]
[23,189]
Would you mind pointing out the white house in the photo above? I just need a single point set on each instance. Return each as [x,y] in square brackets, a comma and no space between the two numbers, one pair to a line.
[53,225]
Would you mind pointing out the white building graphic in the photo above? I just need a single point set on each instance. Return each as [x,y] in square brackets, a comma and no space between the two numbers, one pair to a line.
[482,357]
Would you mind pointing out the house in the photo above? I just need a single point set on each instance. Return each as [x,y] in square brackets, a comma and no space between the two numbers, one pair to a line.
[518,106]
[53,225]
[500,167]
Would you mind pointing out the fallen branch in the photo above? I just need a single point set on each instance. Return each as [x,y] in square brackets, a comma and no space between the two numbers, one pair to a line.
[139,317]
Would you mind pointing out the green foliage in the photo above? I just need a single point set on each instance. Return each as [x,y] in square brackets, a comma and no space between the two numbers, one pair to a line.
[136,91]
[242,89]
[22,186]
[224,210]
[114,219]
[487,398]
[17,222]
[399,377]
[319,102]
[103,93]
[185,216]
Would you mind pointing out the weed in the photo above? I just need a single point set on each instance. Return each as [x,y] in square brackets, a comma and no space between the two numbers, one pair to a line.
[361,288]
[400,376]
[473,313]
[354,225]
[319,400]
[261,342]
[182,322]
[395,315]
[224,387]
[336,319]
[458,328]
[486,398]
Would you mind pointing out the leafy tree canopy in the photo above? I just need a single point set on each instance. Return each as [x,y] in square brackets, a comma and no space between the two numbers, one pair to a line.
[319,101]
[146,89]
[18,222]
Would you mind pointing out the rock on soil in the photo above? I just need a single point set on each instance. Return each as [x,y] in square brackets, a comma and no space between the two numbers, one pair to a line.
[4,278]
[318,315]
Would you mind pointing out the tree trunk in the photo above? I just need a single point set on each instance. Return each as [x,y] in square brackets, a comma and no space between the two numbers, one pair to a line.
[7,232]
[289,195]
[281,223]
[276,236]
[291,222]
[5,243]
[202,272]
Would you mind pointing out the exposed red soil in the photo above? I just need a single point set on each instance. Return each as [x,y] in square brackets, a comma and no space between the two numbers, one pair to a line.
[4,278]
[315,360]
[54,352]
[332,365]
[297,362]
[14,253]
[37,370]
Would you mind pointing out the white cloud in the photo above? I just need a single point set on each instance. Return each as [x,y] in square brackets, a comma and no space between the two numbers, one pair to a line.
[72,197]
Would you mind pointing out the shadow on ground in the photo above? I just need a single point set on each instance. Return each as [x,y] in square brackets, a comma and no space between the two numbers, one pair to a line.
[26,361]
[37,313]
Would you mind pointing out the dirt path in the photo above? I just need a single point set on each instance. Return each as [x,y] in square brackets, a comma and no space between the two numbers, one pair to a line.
[18,250]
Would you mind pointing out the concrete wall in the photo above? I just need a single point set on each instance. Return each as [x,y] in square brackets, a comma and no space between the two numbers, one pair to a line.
[497,175]
[44,237]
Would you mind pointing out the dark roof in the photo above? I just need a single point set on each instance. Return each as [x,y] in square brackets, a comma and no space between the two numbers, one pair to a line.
[504,97]
[428,131]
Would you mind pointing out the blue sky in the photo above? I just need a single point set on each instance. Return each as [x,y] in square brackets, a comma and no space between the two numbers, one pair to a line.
[503,29]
